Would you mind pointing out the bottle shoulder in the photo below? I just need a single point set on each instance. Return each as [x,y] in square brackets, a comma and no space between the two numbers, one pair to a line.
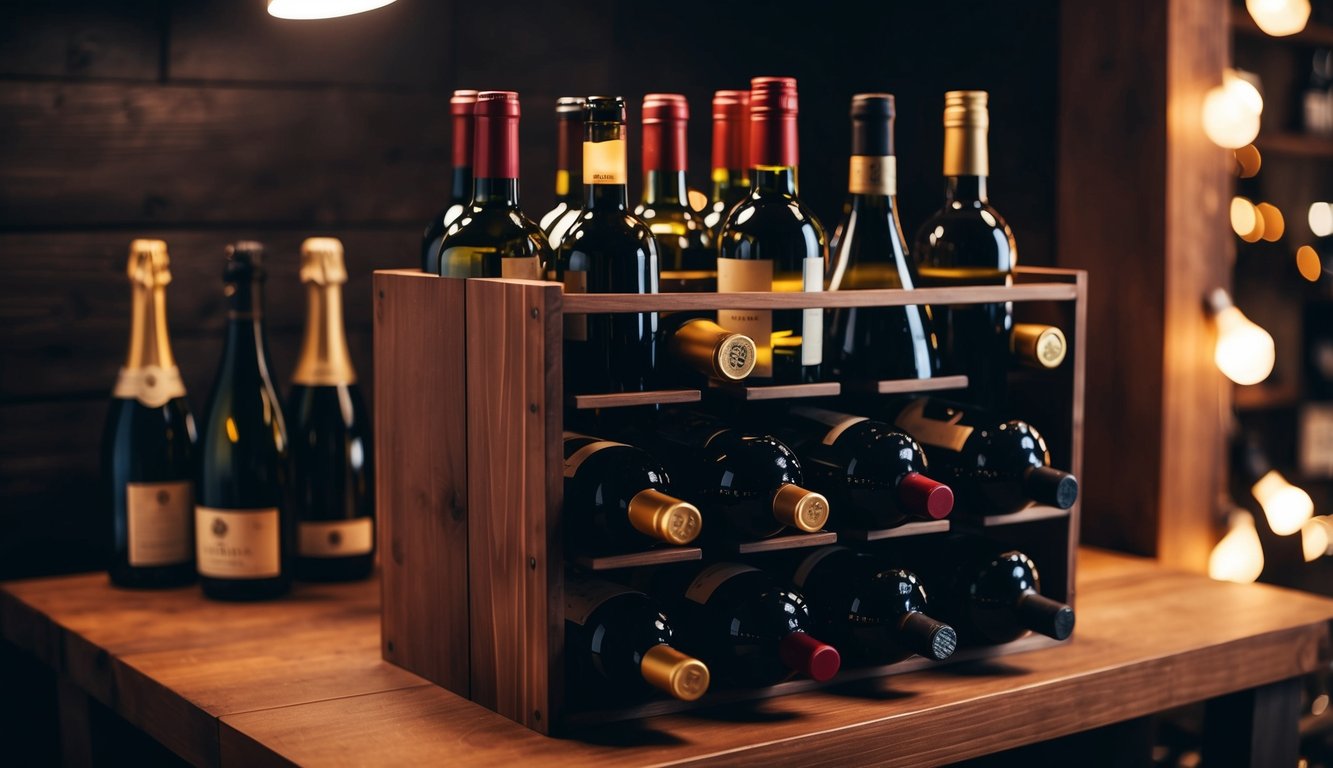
[966,234]
[607,230]
[769,221]
[491,225]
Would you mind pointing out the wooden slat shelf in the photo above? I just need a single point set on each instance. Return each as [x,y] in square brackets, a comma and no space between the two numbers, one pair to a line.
[592,303]
[755,392]
[1035,512]
[917,528]
[628,399]
[780,543]
[906,386]
[660,556]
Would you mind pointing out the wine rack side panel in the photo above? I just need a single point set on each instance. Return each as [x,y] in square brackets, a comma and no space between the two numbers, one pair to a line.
[421,475]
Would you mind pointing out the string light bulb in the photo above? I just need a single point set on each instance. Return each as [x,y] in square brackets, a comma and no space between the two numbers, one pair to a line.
[1286,507]
[321,9]
[1279,18]
[1231,110]
[1315,537]
[1245,352]
[1239,556]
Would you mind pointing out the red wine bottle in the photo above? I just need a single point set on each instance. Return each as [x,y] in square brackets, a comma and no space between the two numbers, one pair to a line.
[688,259]
[731,156]
[993,465]
[617,497]
[619,638]
[568,169]
[460,107]
[748,628]
[873,612]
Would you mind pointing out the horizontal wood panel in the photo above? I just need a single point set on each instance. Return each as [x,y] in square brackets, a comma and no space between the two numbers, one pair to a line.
[81,38]
[663,302]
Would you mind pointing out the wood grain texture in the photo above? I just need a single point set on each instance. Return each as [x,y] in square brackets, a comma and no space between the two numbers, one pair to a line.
[906,386]
[421,480]
[782,543]
[906,529]
[83,39]
[743,391]
[629,399]
[660,556]
[585,303]
[515,487]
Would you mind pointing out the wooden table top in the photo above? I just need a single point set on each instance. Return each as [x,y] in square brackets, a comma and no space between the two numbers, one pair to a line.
[301,679]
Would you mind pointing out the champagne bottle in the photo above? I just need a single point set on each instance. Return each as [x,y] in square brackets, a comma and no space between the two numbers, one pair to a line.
[772,242]
[243,524]
[993,465]
[568,169]
[731,156]
[873,473]
[148,442]
[617,497]
[707,349]
[748,628]
[872,612]
[967,242]
[685,247]
[460,107]
[493,237]
[608,250]
[618,637]
[869,252]
[333,497]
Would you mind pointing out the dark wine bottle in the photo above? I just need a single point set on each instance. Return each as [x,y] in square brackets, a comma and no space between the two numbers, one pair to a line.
[967,242]
[244,528]
[493,237]
[568,169]
[731,156]
[619,637]
[993,465]
[617,497]
[608,250]
[460,191]
[148,442]
[332,492]
[873,612]
[874,474]
[688,260]
[706,348]
[869,252]
[772,242]
[748,628]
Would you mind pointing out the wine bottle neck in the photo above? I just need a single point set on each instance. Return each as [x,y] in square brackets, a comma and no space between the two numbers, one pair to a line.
[495,191]
[965,189]
[729,185]
[150,345]
[606,197]
[461,186]
[245,325]
[774,178]
[324,360]
[665,187]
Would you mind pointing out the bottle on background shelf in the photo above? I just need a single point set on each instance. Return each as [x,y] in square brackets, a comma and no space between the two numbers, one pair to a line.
[1034,345]
[568,169]
[687,258]
[967,242]
[731,156]
[243,524]
[710,351]
[619,637]
[460,191]
[869,252]
[608,250]
[993,465]
[771,242]
[872,612]
[333,497]
[148,442]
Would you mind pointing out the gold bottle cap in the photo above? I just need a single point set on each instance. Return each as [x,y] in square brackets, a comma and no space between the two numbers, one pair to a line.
[669,670]
[715,351]
[966,109]
[735,357]
[322,261]
[664,517]
[1038,346]
[966,123]
[149,263]
[798,508]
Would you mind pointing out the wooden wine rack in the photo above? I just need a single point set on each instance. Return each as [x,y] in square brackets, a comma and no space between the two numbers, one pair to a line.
[469,411]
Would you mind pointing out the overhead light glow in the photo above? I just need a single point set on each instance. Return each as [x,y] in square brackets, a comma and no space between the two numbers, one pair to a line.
[1245,352]
[1309,264]
[1279,18]
[1231,110]
[1286,507]
[1274,224]
[1321,219]
[1245,219]
[1315,538]
[1238,556]
[321,9]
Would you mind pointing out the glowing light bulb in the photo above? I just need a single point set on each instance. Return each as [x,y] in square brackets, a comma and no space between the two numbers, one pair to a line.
[1308,262]
[1321,219]
[1315,538]
[1274,224]
[1244,352]
[1238,556]
[321,9]
[1246,220]
[1286,506]
[1231,111]
[1279,18]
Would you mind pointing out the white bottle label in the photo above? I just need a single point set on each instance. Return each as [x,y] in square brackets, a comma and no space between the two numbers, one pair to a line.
[583,596]
[336,538]
[736,275]
[712,577]
[238,543]
[152,386]
[159,522]
[812,330]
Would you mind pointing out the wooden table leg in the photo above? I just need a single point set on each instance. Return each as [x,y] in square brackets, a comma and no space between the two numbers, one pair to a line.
[1257,727]
[76,742]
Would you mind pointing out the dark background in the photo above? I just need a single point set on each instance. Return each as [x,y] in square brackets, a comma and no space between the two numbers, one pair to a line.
[203,122]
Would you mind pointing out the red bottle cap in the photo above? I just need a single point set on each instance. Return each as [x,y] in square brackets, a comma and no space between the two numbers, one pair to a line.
[808,656]
[731,130]
[495,153]
[773,121]
[665,116]
[460,106]
[923,497]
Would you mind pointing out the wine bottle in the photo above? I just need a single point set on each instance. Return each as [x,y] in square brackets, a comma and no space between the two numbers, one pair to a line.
[568,170]
[869,252]
[460,107]
[731,156]
[872,612]
[148,442]
[243,525]
[617,497]
[748,628]
[493,237]
[619,637]
[1038,346]
[993,465]
[967,242]
[687,258]
[990,593]
[708,349]
[608,250]
[873,473]
[332,492]
[771,242]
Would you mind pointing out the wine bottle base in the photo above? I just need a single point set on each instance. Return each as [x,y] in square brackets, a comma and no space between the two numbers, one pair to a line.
[153,577]
[353,568]
[241,590]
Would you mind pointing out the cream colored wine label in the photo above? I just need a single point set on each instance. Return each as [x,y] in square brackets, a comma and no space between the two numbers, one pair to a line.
[576,326]
[583,596]
[159,522]
[812,320]
[933,432]
[336,538]
[237,543]
[521,268]
[735,275]
[712,577]
[604,162]
[577,458]
[150,385]
[873,175]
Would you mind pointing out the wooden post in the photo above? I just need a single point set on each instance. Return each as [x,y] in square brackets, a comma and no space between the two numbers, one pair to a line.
[1254,728]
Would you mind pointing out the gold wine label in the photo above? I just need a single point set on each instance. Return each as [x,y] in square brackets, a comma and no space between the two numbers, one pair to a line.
[159,523]
[966,124]
[604,162]
[740,275]
[664,517]
[799,508]
[576,326]
[150,385]
[1038,346]
[336,538]
[561,183]
[933,432]
[873,175]
[238,543]
[667,669]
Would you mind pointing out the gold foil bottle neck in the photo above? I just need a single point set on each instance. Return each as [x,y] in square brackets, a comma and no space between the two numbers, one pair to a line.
[966,124]
[664,517]
[714,351]
[149,264]
[322,261]
[799,508]
[667,669]
[1038,346]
